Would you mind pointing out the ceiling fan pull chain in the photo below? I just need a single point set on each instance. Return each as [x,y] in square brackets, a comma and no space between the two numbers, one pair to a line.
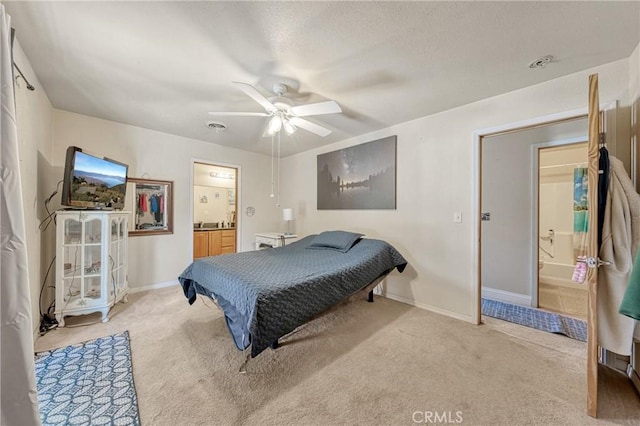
[278,200]
[272,195]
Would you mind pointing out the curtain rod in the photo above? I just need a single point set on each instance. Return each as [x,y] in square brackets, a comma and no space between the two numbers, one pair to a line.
[29,85]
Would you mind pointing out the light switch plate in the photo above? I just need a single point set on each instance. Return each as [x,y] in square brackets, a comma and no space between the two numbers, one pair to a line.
[457,217]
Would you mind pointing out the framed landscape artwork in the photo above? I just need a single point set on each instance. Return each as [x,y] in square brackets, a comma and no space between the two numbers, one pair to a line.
[359,177]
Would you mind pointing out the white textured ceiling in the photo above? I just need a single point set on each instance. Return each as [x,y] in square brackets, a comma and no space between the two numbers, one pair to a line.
[164,65]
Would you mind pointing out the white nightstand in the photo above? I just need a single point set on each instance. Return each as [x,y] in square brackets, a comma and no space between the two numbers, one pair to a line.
[273,239]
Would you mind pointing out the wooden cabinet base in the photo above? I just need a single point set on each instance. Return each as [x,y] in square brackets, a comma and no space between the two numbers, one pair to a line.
[213,243]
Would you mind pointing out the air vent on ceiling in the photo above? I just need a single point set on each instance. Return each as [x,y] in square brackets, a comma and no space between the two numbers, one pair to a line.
[541,62]
[219,127]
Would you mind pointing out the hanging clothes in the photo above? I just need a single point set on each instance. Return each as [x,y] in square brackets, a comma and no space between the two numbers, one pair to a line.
[630,305]
[157,208]
[143,203]
[153,201]
[603,187]
[620,240]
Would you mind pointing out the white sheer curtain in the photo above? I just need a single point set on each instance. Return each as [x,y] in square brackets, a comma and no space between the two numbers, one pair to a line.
[18,395]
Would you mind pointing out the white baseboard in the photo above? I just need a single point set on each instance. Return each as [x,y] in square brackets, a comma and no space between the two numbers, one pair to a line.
[406,300]
[153,286]
[506,296]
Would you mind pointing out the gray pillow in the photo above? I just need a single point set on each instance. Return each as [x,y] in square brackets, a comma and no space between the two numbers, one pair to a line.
[341,241]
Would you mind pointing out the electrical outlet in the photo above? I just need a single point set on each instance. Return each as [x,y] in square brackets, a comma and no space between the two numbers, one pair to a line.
[457,217]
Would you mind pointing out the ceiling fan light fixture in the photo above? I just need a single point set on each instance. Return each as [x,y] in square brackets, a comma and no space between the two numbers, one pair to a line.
[275,125]
[288,127]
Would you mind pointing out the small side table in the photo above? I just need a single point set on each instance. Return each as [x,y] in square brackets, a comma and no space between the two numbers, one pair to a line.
[273,239]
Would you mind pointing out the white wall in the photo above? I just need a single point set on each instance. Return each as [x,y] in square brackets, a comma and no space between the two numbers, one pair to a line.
[216,208]
[155,155]
[434,179]
[507,191]
[35,127]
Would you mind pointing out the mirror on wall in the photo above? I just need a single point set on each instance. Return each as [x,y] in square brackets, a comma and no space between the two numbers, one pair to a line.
[151,203]
[214,197]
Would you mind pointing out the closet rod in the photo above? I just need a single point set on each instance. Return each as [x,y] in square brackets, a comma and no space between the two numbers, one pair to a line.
[150,187]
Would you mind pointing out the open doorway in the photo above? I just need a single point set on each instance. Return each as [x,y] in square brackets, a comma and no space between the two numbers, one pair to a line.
[561,215]
[215,203]
[509,202]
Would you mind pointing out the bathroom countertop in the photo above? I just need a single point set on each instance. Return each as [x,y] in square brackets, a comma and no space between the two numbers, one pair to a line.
[214,229]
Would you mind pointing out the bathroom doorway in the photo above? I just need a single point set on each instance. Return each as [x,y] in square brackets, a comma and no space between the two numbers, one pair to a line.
[509,202]
[562,210]
[215,203]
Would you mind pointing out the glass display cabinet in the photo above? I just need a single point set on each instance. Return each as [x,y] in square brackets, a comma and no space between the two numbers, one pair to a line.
[91,262]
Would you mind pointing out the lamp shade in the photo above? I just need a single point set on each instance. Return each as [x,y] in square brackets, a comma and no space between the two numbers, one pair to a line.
[287,214]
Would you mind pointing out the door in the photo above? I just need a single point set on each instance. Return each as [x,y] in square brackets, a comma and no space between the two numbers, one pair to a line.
[592,247]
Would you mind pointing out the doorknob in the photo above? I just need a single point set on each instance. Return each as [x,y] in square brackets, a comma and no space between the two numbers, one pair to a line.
[591,262]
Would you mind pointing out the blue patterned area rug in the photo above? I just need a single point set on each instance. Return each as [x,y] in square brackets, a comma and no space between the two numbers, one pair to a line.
[535,318]
[89,383]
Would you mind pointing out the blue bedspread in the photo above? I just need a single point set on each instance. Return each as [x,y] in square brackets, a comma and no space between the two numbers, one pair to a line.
[268,293]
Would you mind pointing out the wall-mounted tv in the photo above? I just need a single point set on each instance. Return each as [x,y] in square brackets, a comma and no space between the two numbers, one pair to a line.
[93,182]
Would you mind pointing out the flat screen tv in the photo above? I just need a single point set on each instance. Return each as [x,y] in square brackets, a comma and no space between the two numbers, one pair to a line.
[93,182]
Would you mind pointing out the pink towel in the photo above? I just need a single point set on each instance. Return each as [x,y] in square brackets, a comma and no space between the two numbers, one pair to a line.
[580,271]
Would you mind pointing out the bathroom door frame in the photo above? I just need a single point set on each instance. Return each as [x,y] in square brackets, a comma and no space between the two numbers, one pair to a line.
[535,204]
[478,137]
[238,198]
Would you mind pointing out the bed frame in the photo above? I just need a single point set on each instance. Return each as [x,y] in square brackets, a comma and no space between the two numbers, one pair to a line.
[357,295]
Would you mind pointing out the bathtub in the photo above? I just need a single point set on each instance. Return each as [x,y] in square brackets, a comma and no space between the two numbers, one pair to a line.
[558,270]
[558,274]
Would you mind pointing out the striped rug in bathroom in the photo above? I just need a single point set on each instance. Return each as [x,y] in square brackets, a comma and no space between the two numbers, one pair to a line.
[535,318]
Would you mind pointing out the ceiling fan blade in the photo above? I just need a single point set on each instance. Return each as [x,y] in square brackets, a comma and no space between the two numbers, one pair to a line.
[256,96]
[230,114]
[326,107]
[309,126]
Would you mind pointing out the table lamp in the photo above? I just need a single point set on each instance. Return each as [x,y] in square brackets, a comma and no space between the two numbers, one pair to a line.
[287,216]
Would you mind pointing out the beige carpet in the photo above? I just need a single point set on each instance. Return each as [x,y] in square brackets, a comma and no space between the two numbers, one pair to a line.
[360,364]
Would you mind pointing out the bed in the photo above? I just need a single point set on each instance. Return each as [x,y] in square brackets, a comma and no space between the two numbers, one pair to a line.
[267,294]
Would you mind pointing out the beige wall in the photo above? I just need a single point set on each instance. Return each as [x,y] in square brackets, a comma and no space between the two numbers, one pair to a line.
[155,155]
[35,124]
[435,179]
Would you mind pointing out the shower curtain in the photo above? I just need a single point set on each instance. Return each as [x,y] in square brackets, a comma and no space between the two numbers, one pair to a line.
[580,211]
[580,223]
[19,405]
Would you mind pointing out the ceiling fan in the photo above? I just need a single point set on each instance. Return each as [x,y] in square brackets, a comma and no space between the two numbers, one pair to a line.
[284,115]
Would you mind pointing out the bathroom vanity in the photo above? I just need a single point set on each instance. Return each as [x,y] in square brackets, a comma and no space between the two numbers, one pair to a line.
[213,241]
